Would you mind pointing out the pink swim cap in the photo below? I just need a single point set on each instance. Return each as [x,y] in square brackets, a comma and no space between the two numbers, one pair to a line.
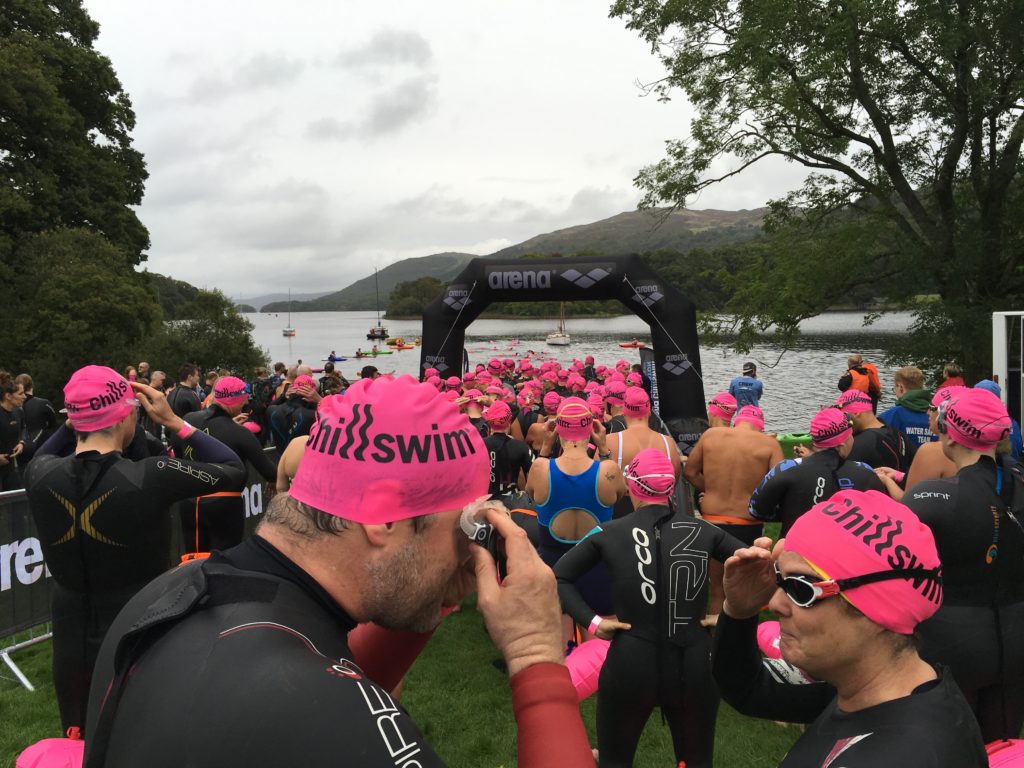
[551,402]
[549,376]
[750,414]
[944,393]
[468,376]
[855,533]
[453,382]
[650,476]
[390,450]
[498,415]
[430,372]
[853,401]
[634,379]
[974,418]
[722,406]
[97,397]
[494,389]
[451,395]
[596,403]
[252,426]
[769,633]
[305,380]
[830,428]
[615,391]
[622,365]
[494,365]
[435,382]
[589,360]
[636,403]
[230,391]
[575,420]
[562,374]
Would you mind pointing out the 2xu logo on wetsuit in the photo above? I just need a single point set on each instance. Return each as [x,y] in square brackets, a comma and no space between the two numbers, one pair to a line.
[349,437]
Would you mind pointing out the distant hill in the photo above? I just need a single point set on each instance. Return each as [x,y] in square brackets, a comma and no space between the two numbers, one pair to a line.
[642,231]
[267,298]
[361,294]
[629,232]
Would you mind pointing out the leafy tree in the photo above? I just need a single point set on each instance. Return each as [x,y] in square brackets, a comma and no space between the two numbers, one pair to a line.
[66,158]
[907,113]
[73,300]
[171,294]
[214,335]
[410,298]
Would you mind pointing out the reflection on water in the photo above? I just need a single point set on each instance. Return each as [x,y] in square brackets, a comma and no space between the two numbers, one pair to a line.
[796,383]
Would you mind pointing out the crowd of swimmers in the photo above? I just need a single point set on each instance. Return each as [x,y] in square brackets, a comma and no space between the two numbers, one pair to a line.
[615,563]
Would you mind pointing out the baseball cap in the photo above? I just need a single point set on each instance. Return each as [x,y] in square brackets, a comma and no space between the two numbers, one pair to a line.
[974,418]
[830,427]
[750,414]
[855,533]
[574,420]
[230,391]
[853,401]
[650,476]
[97,397]
[391,449]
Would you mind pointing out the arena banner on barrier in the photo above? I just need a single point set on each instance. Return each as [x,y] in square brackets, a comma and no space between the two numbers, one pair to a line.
[24,579]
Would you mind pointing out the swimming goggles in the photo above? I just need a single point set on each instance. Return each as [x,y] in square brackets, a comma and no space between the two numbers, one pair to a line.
[805,590]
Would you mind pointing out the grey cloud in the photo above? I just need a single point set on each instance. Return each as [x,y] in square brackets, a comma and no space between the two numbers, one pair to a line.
[389,47]
[264,70]
[408,102]
[327,128]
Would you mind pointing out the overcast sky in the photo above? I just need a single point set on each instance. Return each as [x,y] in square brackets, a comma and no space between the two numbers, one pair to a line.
[302,144]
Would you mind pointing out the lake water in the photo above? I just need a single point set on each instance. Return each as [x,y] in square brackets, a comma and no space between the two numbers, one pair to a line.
[795,386]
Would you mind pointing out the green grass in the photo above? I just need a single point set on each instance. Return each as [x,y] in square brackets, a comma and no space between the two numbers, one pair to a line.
[459,700]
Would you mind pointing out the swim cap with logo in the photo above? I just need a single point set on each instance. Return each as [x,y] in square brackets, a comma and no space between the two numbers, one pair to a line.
[97,397]
[636,402]
[722,406]
[944,393]
[574,420]
[853,401]
[498,415]
[855,533]
[750,414]
[371,462]
[616,391]
[230,391]
[974,418]
[650,476]
[830,428]
[453,382]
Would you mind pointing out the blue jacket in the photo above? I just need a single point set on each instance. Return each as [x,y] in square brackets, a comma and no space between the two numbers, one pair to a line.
[747,390]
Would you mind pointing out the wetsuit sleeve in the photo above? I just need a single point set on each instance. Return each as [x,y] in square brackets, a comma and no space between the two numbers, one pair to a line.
[210,449]
[547,714]
[525,462]
[171,479]
[60,443]
[571,566]
[759,687]
[386,656]
[253,452]
[765,500]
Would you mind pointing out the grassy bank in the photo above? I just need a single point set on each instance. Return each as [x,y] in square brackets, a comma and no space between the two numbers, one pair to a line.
[460,701]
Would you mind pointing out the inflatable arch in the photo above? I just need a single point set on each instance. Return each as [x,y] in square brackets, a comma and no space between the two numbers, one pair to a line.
[679,390]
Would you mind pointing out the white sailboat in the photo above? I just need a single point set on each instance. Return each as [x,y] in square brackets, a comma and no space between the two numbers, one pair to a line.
[560,338]
[288,329]
[378,331]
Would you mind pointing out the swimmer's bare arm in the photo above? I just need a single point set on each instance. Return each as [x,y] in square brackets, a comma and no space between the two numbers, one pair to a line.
[694,470]
[289,463]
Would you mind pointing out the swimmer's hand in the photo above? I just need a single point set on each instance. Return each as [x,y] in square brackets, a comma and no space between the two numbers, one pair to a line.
[801,451]
[608,627]
[749,580]
[154,403]
[522,614]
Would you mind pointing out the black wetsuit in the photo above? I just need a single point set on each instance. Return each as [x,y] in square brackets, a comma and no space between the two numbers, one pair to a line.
[481,425]
[184,400]
[257,674]
[509,457]
[105,529]
[143,445]
[663,660]
[883,447]
[979,630]
[793,486]
[217,521]
[931,728]
[291,418]
[40,422]
[12,432]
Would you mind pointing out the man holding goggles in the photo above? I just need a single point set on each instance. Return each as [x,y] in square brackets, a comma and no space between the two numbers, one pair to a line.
[850,583]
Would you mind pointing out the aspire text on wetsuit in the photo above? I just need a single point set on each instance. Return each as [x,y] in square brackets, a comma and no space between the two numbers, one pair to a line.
[658,562]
